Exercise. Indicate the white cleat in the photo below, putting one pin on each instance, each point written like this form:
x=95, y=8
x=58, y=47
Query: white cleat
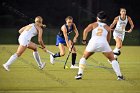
x=78, y=76
x=52, y=59
x=42, y=66
x=120, y=78
x=6, y=67
x=74, y=66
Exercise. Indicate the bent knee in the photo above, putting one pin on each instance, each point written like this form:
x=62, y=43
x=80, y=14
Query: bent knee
x=18, y=54
x=119, y=46
x=62, y=54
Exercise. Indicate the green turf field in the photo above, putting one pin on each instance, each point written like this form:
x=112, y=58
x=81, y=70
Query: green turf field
x=25, y=77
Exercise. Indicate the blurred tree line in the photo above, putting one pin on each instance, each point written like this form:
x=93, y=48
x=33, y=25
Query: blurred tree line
x=19, y=13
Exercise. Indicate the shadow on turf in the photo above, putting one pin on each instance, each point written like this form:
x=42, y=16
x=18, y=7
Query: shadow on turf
x=51, y=76
x=60, y=81
x=102, y=65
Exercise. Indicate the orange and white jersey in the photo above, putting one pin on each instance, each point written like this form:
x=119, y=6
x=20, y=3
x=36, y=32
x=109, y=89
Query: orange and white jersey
x=99, y=33
x=120, y=28
x=98, y=41
x=121, y=24
x=30, y=32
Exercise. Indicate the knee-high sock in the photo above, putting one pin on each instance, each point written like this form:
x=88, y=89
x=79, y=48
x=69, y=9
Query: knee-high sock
x=116, y=50
x=73, y=58
x=116, y=68
x=11, y=59
x=37, y=58
x=82, y=65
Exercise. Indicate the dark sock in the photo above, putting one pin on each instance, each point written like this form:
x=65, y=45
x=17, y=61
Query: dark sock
x=56, y=55
x=73, y=58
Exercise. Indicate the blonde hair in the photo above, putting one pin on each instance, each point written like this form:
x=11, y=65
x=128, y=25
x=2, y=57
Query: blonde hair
x=38, y=19
x=68, y=17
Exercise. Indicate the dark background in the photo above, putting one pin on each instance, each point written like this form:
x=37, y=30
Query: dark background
x=17, y=13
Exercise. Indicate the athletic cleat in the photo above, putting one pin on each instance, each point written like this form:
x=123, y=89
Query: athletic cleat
x=6, y=67
x=42, y=66
x=78, y=76
x=120, y=78
x=117, y=53
x=51, y=59
x=74, y=66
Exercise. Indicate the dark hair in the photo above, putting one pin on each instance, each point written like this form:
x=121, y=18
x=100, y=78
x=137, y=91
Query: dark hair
x=122, y=8
x=68, y=17
x=101, y=15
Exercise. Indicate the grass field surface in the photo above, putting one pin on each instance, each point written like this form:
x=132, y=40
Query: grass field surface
x=25, y=76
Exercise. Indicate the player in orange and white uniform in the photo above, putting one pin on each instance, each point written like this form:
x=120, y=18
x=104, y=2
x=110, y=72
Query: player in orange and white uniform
x=119, y=31
x=99, y=42
x=26, y=34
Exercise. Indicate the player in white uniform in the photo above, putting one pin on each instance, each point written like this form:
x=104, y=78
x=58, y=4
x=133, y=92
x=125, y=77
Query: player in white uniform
x=119, y=31
x=99, y=42
x=26, y=33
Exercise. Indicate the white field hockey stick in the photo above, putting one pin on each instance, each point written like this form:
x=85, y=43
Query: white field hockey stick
x=119, y=31
x=51, y=53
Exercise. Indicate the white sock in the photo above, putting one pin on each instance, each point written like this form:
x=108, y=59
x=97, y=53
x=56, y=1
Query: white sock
x=116, y=50
x=82, y=65
x=37, y=58
x=116, y=68
x=11, y=59
x=115, y=56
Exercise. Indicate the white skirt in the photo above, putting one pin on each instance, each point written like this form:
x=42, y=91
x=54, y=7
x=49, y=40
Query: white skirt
x=23, y=41
x=98, y=46
x=119, y=35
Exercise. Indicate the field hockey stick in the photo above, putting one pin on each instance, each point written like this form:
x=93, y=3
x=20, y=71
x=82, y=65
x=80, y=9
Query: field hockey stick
x=51, y=53
x=121, y=31
x=68, y=56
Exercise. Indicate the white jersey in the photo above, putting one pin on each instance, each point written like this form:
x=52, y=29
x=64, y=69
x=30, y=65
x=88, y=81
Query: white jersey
x=99, y=33
x=26, y=35
x=30, y=32
x=120, y=28
x=98, y=41
x=121, y=24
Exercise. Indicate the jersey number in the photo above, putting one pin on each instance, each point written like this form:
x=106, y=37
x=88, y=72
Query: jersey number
x=99, y=32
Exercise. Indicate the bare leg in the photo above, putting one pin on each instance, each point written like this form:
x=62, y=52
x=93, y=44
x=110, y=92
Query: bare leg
x=74, y=54
x=12, y=59
x=59, y=54
x=115, y=64
x=62, y=51
x=118, y=47
x=33, y=46
x=82, y=62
